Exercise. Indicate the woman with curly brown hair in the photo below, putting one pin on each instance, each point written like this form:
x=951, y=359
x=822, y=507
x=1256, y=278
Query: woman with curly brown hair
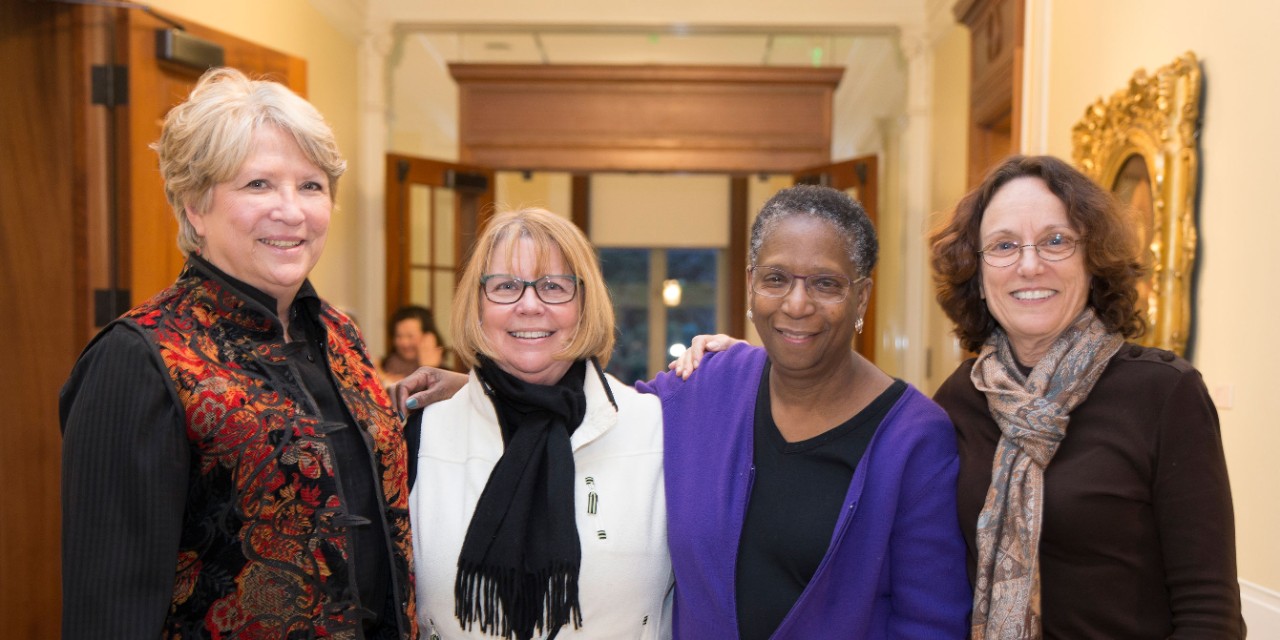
x=1124, y=529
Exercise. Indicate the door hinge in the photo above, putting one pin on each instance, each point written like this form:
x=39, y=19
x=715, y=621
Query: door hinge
x=110, y=85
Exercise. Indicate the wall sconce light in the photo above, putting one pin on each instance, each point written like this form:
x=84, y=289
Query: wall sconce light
x=671, y=292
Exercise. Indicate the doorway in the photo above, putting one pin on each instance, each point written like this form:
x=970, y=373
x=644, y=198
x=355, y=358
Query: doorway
x=656, y=233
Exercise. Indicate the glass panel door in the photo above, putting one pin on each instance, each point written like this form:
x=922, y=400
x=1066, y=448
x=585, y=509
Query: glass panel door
x=662, y=299
x=434, y=209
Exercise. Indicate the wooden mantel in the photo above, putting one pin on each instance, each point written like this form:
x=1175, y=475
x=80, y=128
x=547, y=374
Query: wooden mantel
x=645, y=117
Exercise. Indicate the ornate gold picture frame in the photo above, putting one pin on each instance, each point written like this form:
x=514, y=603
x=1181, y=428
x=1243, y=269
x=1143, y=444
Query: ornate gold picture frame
x=1142, y=145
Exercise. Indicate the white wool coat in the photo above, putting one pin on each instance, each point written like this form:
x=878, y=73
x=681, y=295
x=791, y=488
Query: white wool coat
x=626, y=582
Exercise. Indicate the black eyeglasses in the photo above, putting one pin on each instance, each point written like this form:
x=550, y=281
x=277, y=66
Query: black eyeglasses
x=827, y=288
x=504, y=288
x=1055, y=247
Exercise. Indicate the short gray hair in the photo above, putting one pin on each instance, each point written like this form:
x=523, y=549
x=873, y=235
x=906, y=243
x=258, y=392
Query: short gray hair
x=823, y=203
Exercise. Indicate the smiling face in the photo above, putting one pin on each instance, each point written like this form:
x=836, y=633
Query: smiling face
x=266, y=226
x=1033, y=299
x=804, y=337
x=527, y=334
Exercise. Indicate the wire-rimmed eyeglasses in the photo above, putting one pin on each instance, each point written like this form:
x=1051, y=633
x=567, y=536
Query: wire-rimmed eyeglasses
x=504, y=288
x=826, y=288
x=1055, y=247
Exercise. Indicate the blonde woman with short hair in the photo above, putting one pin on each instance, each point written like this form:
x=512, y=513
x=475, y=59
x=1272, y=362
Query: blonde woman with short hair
x=538, y=507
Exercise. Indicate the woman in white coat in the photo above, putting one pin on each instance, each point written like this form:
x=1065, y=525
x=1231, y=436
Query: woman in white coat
x=538, y=507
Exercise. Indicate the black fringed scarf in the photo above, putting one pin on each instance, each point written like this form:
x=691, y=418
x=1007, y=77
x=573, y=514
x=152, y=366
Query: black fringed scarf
x=518, y=568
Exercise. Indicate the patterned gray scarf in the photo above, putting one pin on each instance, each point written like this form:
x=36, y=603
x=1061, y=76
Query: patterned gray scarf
x=1032, y=412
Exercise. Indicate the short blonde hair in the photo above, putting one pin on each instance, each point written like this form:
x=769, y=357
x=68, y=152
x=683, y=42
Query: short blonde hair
x=548, y=232
x=207, y=137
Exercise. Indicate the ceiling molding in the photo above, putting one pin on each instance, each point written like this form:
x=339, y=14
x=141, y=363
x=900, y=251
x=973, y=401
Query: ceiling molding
x=672, y=28
x=940, y=18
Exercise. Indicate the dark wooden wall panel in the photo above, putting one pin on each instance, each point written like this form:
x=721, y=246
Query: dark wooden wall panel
x=41, y=281
x=995, y=82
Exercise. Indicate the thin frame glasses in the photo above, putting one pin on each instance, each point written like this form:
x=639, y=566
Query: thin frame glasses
x=504, y=288
x=1055, y=248
x=826, y=288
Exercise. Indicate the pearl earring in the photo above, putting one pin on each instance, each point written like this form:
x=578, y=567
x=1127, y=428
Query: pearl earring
x=857, y=326
x=749, y=316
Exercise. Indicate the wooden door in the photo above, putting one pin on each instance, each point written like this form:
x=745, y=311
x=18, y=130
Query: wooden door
x=860, y=179
x=434, y=211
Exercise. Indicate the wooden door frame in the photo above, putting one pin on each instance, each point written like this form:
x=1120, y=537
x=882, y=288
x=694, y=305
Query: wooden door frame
x=402, y=172
x=861, y=173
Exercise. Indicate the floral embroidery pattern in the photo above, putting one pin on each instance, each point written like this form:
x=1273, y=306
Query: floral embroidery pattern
x=265, y=550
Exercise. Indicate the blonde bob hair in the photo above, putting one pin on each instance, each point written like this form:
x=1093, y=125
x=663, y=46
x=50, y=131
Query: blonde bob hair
x=206, y=139
x=549, y=233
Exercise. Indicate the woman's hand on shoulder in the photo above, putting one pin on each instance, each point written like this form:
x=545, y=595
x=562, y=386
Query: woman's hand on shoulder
x=699, y=347
x=427, y=385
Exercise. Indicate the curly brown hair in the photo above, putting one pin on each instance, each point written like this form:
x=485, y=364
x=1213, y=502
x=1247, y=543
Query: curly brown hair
x=1110, y=249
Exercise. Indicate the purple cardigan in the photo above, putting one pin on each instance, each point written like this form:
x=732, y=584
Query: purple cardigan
x=896, y=565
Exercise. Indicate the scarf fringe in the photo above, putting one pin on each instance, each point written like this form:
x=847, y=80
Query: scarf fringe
x=505, y=602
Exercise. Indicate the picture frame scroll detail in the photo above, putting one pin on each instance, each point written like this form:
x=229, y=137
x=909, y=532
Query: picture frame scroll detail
x=1142, y=144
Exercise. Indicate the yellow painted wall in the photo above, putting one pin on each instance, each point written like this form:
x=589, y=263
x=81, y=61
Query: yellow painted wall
x=949, y=123
x=1095, y=46
x=550, y=190
x=296, y=28
x=660, y=210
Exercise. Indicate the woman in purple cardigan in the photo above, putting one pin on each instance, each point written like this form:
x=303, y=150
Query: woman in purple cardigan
x=809, y=494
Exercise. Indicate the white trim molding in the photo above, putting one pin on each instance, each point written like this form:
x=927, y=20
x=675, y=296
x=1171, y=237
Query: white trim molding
x=1035, y=76
x=1261, y=607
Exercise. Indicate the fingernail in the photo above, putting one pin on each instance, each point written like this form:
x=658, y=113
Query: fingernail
x=411, y=403
x=714, y=344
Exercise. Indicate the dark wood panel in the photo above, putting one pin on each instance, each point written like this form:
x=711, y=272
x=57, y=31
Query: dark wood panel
x=41, y=292
x=580, y=202
x=645, y=118
x=995, y=80
x=736, y=260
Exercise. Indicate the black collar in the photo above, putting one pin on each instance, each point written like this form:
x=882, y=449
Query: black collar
x=305, y=305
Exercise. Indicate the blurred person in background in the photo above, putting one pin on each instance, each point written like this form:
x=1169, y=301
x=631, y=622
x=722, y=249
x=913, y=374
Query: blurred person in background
x=415, y=342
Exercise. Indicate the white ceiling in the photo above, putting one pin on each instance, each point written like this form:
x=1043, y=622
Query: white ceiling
x=637, y=47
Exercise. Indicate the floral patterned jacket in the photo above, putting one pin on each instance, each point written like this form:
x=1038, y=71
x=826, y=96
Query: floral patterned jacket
x=264, y=546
